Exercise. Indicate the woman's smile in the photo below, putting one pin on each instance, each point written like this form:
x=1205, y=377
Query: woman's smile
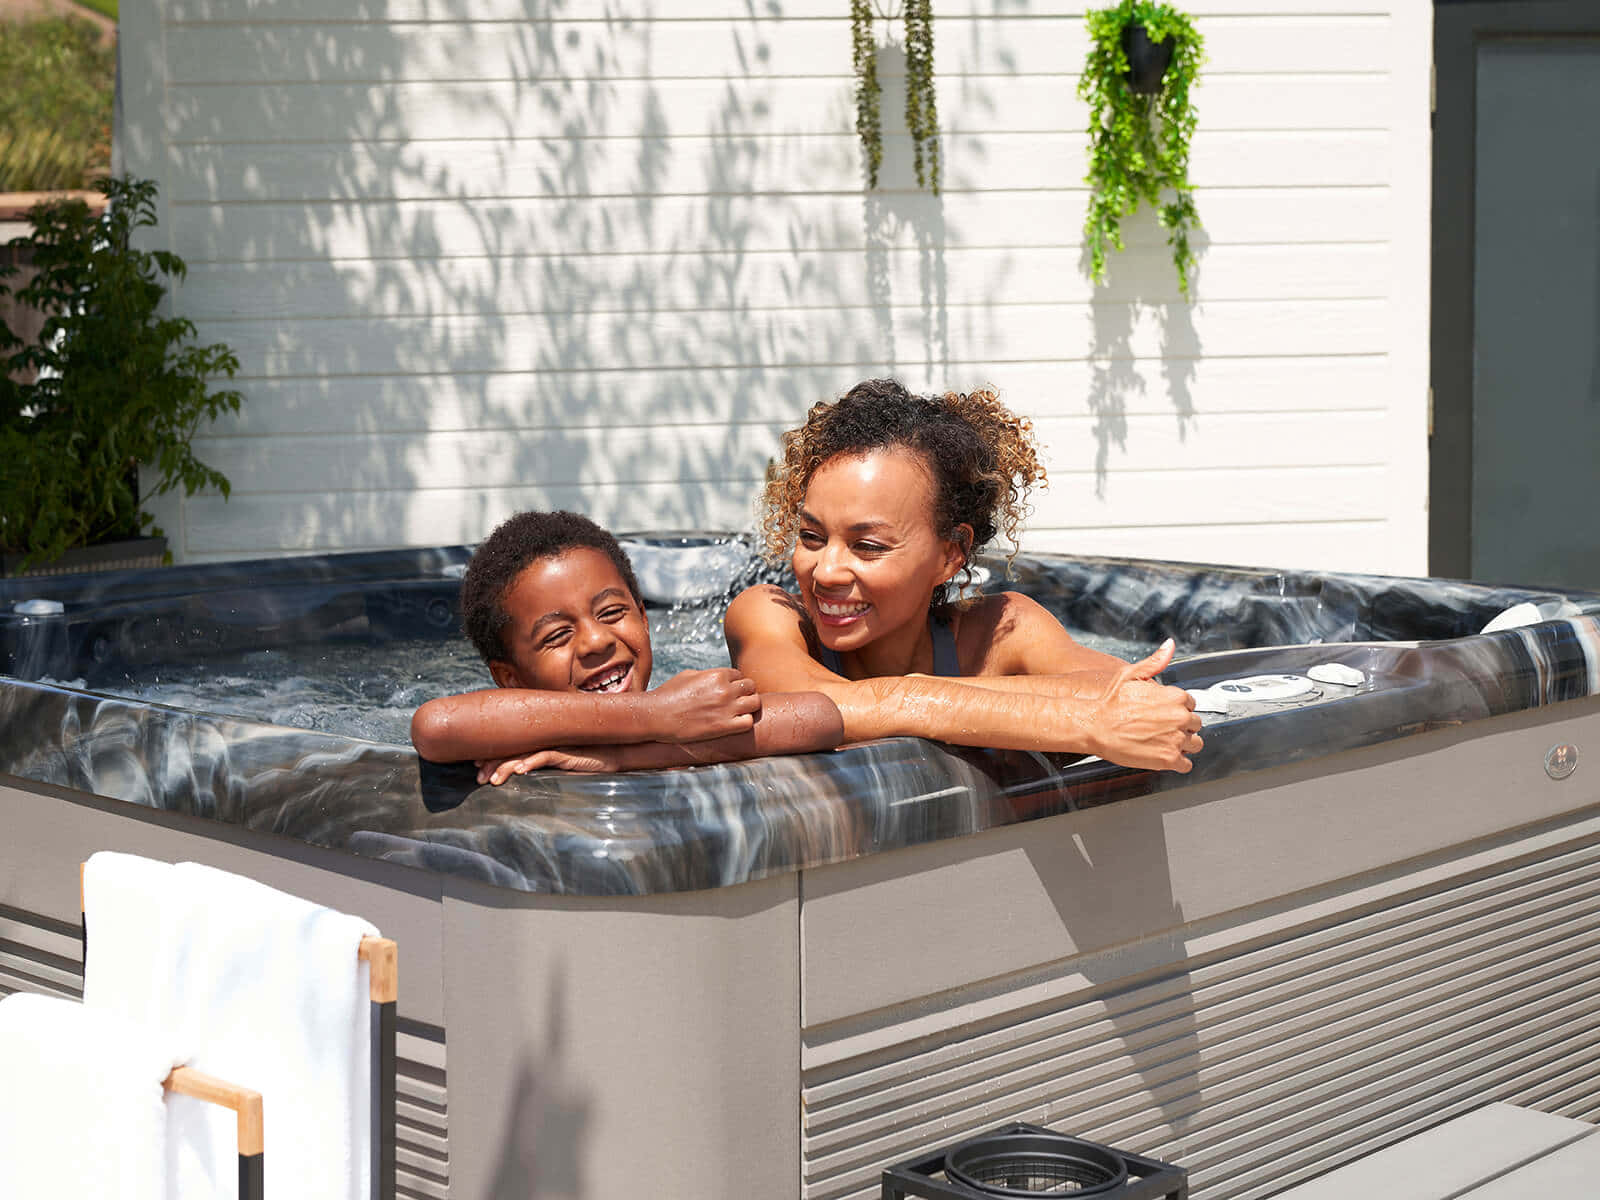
x=840, y=613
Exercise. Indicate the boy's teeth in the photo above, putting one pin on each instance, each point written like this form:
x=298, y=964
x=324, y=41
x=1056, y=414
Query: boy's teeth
x=609, y=684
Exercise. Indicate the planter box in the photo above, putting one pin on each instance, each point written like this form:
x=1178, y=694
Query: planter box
x=14, y=206
x=109, y=556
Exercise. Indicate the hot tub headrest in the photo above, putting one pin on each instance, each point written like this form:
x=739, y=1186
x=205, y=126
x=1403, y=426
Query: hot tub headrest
x=686, y=574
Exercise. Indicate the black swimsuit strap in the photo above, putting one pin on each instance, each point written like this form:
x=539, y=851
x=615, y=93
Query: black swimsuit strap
x=830, y=659
x=946, y=663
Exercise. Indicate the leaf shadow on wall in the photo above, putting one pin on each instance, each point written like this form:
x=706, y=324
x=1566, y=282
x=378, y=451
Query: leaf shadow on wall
x=896, y=207
x=488, y=266
x=1140, y=280
x=351, y=262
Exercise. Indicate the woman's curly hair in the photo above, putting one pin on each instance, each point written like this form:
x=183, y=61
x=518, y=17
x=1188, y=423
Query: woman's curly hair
x=980, y=455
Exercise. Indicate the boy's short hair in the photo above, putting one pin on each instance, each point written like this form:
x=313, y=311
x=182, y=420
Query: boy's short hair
x=506, y=553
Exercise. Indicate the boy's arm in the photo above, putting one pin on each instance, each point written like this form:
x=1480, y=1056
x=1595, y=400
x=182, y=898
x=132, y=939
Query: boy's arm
x=790, y=723
x=692, y=706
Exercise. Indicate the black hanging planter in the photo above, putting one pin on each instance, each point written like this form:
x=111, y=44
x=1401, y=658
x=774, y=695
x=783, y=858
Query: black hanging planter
x=1147, y=60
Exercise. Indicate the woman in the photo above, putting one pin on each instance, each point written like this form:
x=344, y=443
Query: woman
x=885, y=498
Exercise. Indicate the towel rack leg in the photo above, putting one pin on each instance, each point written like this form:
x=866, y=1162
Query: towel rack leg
x=383, y=1100
x=252, y=1177
x=83, y=923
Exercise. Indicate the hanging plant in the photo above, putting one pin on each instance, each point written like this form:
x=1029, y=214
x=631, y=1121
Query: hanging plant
x=1139, y=140
x=864, y=58
x=922, y=113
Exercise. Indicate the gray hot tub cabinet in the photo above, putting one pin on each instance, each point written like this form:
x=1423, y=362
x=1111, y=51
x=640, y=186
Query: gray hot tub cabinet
x=1258, y=977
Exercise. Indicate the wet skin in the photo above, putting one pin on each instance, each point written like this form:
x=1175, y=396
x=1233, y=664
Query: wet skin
x=575, y=626
x=571, y=690
x=868, y=559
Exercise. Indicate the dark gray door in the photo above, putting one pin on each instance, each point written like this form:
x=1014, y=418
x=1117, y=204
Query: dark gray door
x=1516, y=348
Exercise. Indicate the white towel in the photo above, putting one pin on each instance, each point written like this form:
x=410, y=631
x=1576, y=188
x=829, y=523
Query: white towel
x=81, y=1110
x=131, y=918
x=261, y=988
x=272, y=990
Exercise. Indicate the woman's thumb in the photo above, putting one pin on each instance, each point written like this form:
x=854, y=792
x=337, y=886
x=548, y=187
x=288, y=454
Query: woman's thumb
x=1149, y=668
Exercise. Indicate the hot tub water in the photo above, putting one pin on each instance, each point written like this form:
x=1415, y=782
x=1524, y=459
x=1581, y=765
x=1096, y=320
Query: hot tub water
x=359, y=689
x=369, y=689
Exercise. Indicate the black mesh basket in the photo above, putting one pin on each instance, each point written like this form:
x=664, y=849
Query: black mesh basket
x=1019, y=1161
x=1035, y=1164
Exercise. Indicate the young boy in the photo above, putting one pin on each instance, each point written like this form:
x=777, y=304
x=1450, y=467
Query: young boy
x=551, y=603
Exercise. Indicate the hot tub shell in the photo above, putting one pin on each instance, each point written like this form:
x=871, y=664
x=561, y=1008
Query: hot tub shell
x=1362, y=916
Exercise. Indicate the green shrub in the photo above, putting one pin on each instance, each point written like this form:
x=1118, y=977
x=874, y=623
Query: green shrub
x=118, y=385
x=56, y=106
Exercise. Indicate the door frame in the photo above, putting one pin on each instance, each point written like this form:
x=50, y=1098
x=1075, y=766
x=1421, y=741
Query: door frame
x=1458, y=27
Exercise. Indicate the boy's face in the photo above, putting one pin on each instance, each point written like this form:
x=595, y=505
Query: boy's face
x=574, y=627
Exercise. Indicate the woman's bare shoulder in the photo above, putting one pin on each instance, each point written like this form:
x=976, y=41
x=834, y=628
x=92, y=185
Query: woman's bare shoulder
x=766, y=613
x=1024, y=607
x=1011, y=634
x=1002, y=614
x=766, y=602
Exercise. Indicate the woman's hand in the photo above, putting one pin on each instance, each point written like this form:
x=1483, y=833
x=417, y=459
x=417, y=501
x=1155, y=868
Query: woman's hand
x=1139, y=723
x=695, y=706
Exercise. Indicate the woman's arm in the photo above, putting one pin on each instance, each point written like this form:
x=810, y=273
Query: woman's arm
x=1117, y=713
x=790, y=723
x=691, y=706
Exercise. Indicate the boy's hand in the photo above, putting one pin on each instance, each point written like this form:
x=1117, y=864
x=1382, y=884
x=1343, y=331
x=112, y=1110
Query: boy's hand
x=696, y=706
x=583, y=759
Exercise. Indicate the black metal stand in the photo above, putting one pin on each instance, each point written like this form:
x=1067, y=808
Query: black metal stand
x=252, y=1177
x=383, y=1101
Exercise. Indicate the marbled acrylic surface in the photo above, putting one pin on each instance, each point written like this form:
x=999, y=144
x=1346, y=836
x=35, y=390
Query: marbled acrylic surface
x=1424, y=666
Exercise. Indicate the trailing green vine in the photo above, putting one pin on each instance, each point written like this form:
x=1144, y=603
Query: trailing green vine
x=1139, y=145
x=922, y=112
x=864, y=58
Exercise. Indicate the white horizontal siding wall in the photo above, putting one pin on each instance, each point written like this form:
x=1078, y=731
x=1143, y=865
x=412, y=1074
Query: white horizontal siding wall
x=483, y=255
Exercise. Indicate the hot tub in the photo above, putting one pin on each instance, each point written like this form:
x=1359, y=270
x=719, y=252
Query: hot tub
x=1373, y=904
